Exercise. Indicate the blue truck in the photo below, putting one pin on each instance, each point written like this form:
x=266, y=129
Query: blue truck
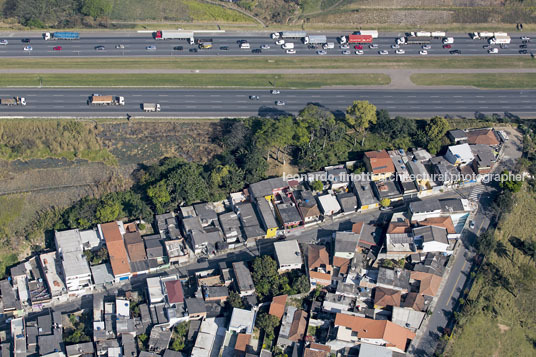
x=61, y=36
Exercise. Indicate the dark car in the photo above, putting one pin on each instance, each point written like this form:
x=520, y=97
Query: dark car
x=447, y=46
x=224, y=48
x=523, y=46
x=194, y=50
x=178, y=48
x=455, y=52
x=256, y=50
x=523, y=52
x=25, y=40
x=254, y=97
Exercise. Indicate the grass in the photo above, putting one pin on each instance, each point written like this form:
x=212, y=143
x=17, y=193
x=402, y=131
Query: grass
x=268, y=62
x=201, y=11
x=6, y=259
x=10, y=209
x=480, y=80
x=192, y=80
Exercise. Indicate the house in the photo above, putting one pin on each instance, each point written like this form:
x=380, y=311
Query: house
x=318, y=266
x=206, y=213
x=403, y=177
x=116, y=249
x=204, y=241
x=135, y=246
x=357, y=329
x=83, y=349
x=267, y=218
x=431, y=239
x=397, y=279
x=384, y=297
x=196, y=308
x=317, y=350
x=415, y=301
x=159, y=339
x=277, y=306
x=457, y=136
x=287, y=212
x=337, y=303
x=154, y=247
x=442, y=222
x=174, y=292
x=216, y=293
x=484, y=158
x=230, y=225
x=177, y=251
x=399, y=236
x=267, y=188
x=365, y=195
x=293, y=326
x=242, y=321
x=50, y=265
x=407, y=317
x=369, y=240
x=482, y=136
x=243, y=279
x=420, y=210
x=347, y=201
x=459, y=154
x=420, y=174
x=428, y=283
x=251, y=228
x=307, y=206
x=445, y=173
x=69, y=250
x=421, y=155
x=205, y=338
x=338, y=177
x=328, y=204
x=387, y=189
x=379, y=164
x=288, y=255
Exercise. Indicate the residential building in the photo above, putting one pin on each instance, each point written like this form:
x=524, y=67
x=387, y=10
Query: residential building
x=318, y=266
x=288, y=255
x=445, y=173
x=102, y=275
x=365, y=195
x=482, y=136
x=135, y=246
x=277, y=306
x=84, y=349
x=387, y=189
x=421, y=175
x=457, y=136
x=338, y=177
x=174, y=292
x=242, y=321
x=347, y=201
x=384, y=297
x=484, y=158
x=215, y=293
x=428, y=283
x=196, y=308
x=69, y=250
x=293, y=326
x=267, y=217
x=397, y=279
x=251, y=228
x=205, y=338
x=379, y=164
x=159, y=339
x=267, y=188
x=307, y=206
x=407, y=317
x=328, y=204
x=230, y=224
x=177, y=251
x=421, y=155
x=206, y=213
x=431, y=239
x=459, y=154
x=420, y=210
x=243, y=279
x=116, y=249
x=345, y=244
x=338, y=303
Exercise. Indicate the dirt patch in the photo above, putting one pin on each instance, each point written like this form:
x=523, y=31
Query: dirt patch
x=503, y=328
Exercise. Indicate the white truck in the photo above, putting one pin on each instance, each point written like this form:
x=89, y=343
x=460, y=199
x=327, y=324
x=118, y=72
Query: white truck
x=481, y=35
x=13, y=101
x=448, y=40
x=438, y=34
x=372, y=33
x=97, y=99
x=288, y=46
x=328, y=45
x=421, y=34
x=499, y=40
x=151, y=107
x=293, y=34
x=245, y=46
x=315, y=39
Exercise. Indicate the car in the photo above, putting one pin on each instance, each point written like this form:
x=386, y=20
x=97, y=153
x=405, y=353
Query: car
x=344, y=47
x=395, y=46
x=486, y=47
x=312, y=46
x=346, y=52
x=359, y=52
x=3, y=42
x=280, y=102
x=57, y=48
x=241, y=41
x=455, y=52
x=25, y=40
x=291, y=51
x=523, y=52
x=151, y=48
x=256, y=50
x=224, y=48
x=99, y=48
x=120, y=47
x=265, y=47
x=472, y=225
x=275, y=91
x=426, y=47
x=493, y=50
x=447, y=46
x=423, y=52
x=280, y=42
x=385, y=209
x=523, y=46
x=504, y=46
x=525, y=38
x=193, y=50
x=400, y=51
x=202, y=260
x=254, y=97
x=28, y=48
x=383, y=52
x=321, y=52
x=373, y=46
x=358, y=47
x=178, y=48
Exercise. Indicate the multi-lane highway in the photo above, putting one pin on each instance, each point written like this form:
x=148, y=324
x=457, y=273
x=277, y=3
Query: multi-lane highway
x=136, y=44
x=205, y=103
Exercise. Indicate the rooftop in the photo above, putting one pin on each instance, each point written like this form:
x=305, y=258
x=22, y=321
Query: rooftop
x=277, y=307
x=348, y=201
x=243, y=277
x=116, y=248
x=288, y=252
x=482, y=136
x=380, y=162
x=267, y=187
x=174, y=291
x=363, y=190
x=102, y=274
x=242, y=320
x=329, y=203
x=395, y=279
x=386, y=297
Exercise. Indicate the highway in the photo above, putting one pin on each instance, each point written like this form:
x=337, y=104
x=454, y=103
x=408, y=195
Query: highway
x=215, y=103
x=135, y=44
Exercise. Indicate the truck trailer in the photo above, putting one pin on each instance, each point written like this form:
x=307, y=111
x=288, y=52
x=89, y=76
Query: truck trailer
x=372, y=33
x=61, y=36
x=13, y=101
x=96, y=99
x=499, y=40
x=293, y=34
x=174, y=35
x=414, y=40
x=151, y=107
x=438, y=34
x=360, y=39
x=315, y=39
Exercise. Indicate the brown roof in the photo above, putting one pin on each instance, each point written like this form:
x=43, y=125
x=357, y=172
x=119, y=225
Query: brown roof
x=309, y=211
x=277, y=307
x=242, y=340
x=394, y=335
x=357, y=228
x=174, y=291
x=342, y=263
x=399, y=227
x=414, y=301
x=317, y=256
x=380, y=162
x=297, y=329
x=116, y=248
x=135, y=246
x=320, y=276
x=318, y=346
x=444, y=222
x=386, y=297
x=310, y=352
x=429, y=282
x=482, y=136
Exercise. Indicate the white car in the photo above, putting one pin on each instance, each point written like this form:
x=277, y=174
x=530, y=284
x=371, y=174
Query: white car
x=291, y=51
x=265, y=47
x=28, y=48
x=373, y=46
x=280, y=102
x=395, y=46
x=383, y=52
x=344, y=47
x=120, y=46
x=525, y=38
x=426, y=47
x=346, y=52
x=275, y=91
x=151, y=48
x=400, y=51
x=3, y=42
x=423, y=52
x=280, y=42
x=321, y=52
x=359, y=52
x=493, y=50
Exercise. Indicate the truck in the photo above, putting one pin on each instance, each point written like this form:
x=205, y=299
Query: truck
x=448, y=40
x=315, y=39
x=481, y=35
x=421, y=34
x=97, y=99
x=151, y=107
x=360, y=39
x=328, y=45
x=438, y=34
x=372, y=33
x=499, y=40
x=413, y=40
x=174, y=35
x=293, y=34
x=287, y=46
x=205, y=43
x=61, y=36
x=13, y=101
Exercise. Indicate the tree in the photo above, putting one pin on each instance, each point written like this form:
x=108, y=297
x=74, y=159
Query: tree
x=268, y=323
x=486, y=243
x=108, y=211
x=187, y=184
x=96, y=8
x=385, y=202
x=179, y=336
x=317, y=186
x=361, y=114
x=508, y=182
x=159, y=195
x=265, y=277
x=302, y=284
x=235, y=300
x=435, y=130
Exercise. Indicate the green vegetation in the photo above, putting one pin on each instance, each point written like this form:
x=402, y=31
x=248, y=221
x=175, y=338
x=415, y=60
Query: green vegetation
x=202, y=11
x=15, y=204
x=192, y=80
x=98, y=257
x=28, y=139
x=7, y=260
x=81, y=328
x=235, y=300
x=480, y=80
x=178, y=342
x=268, y=323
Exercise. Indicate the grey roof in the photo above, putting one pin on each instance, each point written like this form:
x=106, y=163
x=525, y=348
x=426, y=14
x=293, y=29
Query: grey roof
x=195, y=305
x=206, y=214
x=215, y=292
x=171, y=353
x=457, y=134
x=363, y=190
x=145, y=315
x=434, y=263
x=129, y=346
x=421, y=155
x=9, y=300
x=230, y=223
x=80, y=348
x=386, y=189
x=247, y=214
x=483, y=154
x=148, y=354
x=288, y=252
x=31, y=334
x=102, y=274
x=253, y=231
x=398, y=279
x=68, y=241
x=243, y=276
x=368, y=237
x=289, y=213
x=346, y=242
x=425, y=206
x=348, y=201
x=191, y=224
x=125, y=326
x=159, y=338
x=44, y=323
x=267, y=216
x=161, y=316
x=206, y=237
x=306, y=198
x=418, y=169
x=38, y=289
x=50, y=343
x=6, y=349
x=431, y=234
x=267, y=187
x=337, y=175
x=18, y=270
x=451, y=205
x=154, y=248
x=369, y=350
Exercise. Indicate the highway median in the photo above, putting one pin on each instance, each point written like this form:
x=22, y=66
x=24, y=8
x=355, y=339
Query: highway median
x=478, y=80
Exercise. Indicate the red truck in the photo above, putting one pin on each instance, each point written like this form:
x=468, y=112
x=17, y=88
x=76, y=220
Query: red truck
x=360, y=39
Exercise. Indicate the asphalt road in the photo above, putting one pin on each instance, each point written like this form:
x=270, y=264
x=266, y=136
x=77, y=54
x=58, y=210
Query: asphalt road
x=135, y=44
x=203, y=103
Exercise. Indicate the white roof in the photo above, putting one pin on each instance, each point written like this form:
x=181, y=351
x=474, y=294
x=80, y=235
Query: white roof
x=462, y=151
x=90, y=238
x=242, y=320
x=75, y=264
x=155, y=290
x=122, y=308
x=329, y=203
x=68, y=241
x=48, y=262
x=205, y=338
x=288, y=252
x=369, y=350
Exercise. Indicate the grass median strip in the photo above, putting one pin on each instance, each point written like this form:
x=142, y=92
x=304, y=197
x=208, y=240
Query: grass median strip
x=479, y=80
x=192, y=80
x=191, y=62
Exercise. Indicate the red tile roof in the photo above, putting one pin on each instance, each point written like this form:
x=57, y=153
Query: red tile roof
x=399, y=227
x=116, y=248
x=429, y=282
x=242, y=340
x=317, y=256
x=174, y=291
x=386, y=297
x=380, y=162
x=357, y=228
x=482, y=136
x=277, y=307
x=342, y=263
x=444, y=222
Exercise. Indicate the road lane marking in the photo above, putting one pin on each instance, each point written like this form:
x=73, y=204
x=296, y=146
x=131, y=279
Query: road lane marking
x=456, y=283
